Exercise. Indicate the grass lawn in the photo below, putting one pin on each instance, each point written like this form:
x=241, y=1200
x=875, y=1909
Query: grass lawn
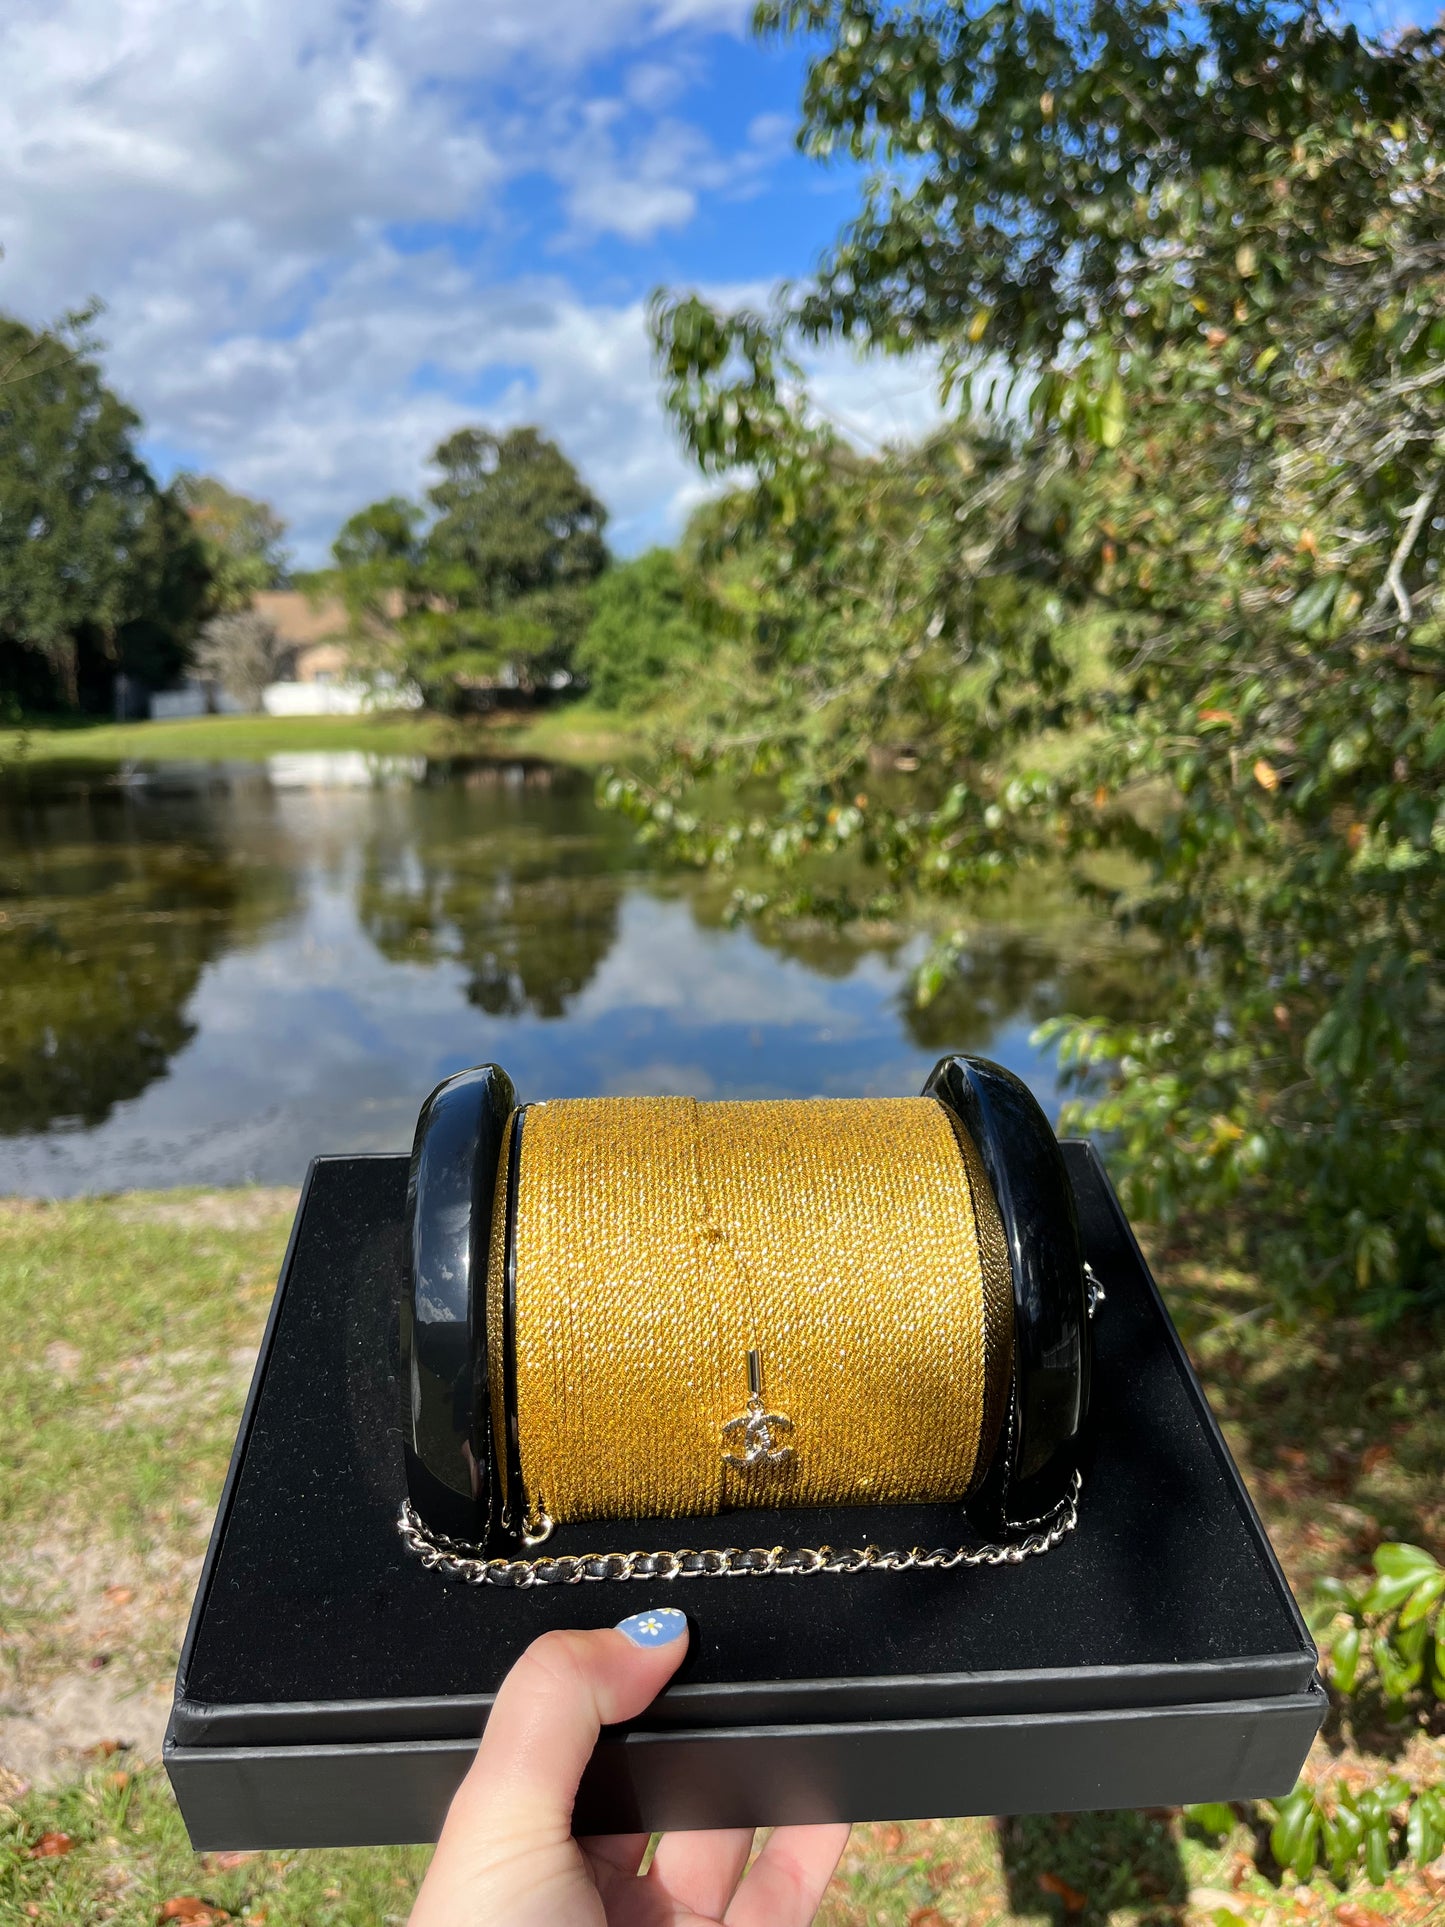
x=573, y=732
x=130, y=1328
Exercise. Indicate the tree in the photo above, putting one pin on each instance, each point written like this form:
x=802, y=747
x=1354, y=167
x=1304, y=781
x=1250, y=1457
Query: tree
x=242, y=652
x=642, y=634
x=1211, y=245
x=489, y=584
x=242, y=538
x=378, y=556
x=99, y=570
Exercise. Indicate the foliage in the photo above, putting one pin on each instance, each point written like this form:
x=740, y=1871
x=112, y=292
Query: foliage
x=1388, y=1640
x=242, y=652
x=1343, y=1829
x=642, y=634
x=486, y=586
x=243, y=540
x=379, y=555
x=1393, y=1628
x=1211, y=245
x=99, y=569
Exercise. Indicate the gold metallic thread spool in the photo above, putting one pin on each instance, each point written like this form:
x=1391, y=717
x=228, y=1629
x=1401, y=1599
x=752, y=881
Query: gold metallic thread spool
x=726, y=1305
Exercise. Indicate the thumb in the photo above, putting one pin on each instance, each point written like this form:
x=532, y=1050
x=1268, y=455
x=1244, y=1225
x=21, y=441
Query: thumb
x=545, y=1720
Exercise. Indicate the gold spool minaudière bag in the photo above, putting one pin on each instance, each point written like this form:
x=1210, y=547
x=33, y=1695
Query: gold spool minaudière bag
x=650, y=1309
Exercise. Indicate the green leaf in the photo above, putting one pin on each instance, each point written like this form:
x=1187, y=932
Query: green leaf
x=1388, y=1593
x=1417, y=1606
x=1313, y=604
x=1345, y=1660
x=1377, y=1852
x=1397, y=1675
x=1425, y=1829
x=1292, y=1837
x=1212, y=1817
x=1302, y=1861
x=1397, y=1559
x=1343, y=1836
x=1410, y=1641
x=1113, y=414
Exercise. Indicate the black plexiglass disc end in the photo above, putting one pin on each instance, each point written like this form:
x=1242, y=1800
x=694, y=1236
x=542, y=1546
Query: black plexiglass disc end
x=1040, y=1445
x=450, y=1192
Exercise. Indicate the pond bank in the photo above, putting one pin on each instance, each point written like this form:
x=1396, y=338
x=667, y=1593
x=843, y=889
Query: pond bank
x=574, y=733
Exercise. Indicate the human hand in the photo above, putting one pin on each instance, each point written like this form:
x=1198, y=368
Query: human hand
x=506, y=1856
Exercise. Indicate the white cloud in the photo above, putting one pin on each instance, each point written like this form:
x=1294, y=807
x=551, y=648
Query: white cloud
x=292, y=210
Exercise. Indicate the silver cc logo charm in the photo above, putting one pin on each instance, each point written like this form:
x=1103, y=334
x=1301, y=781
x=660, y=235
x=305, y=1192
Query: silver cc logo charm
x=757, y=1426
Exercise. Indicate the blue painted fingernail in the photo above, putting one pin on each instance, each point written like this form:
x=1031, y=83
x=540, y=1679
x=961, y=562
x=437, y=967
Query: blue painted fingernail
x=656, y=1628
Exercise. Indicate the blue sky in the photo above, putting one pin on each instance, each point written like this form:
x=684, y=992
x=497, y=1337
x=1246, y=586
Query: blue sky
x=329, y=231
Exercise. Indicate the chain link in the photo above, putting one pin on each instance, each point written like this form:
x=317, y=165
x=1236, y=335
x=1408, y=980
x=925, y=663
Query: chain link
x=456, y=1559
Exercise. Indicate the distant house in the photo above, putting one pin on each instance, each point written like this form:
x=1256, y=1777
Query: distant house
x=318, y=674
x=315, y=633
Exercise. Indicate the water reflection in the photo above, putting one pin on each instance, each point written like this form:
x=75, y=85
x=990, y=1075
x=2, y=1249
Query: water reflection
x=501, y=874
x=209, y=973
x=112, y=902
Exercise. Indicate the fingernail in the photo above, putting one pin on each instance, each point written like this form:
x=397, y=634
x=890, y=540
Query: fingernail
x=656, y=1628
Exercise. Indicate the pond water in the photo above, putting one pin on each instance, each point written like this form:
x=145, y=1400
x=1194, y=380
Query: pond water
x=210, y=972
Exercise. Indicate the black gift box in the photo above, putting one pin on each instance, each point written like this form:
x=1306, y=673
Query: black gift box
x=331, y=1689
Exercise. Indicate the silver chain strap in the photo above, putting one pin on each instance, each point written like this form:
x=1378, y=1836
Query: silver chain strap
x=456, y=1559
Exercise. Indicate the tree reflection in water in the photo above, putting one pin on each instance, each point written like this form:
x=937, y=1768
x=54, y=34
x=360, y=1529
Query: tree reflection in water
x=523, y=893
x=113, y=899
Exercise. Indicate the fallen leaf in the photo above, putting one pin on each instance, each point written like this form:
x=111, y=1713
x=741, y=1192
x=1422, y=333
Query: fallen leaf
x=191, y=1911
x=119, y=1595
x=1434, y=1877
x=926, y=1917
x=224, y=1862
x=1355, y=835
x=890, y=1839
x=119, y=1780
x=1294, y=1458
x=102, y=1750
x=98, y=1661
x=1266, y=775
x=51, y=1845
x=1352, y=1914
x=1074, y=1901
x=1374, y=1456
x=331, y=1893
